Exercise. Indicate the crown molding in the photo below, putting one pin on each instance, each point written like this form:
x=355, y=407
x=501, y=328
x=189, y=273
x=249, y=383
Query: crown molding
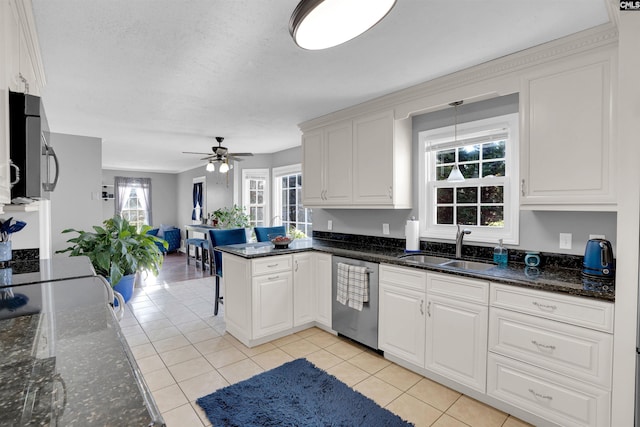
x=600, y=37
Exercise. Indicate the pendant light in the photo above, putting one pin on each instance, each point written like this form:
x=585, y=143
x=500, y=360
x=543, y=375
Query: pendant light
x=455, y=175
x=224, y=168
x=211, y=167
x=321, y=24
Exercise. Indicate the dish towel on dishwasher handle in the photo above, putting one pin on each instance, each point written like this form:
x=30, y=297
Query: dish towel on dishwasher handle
x=342, y=283
x=358, y=287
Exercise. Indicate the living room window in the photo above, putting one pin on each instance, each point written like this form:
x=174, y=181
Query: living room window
x=133, y=199
x=486, y=201
x=288, y=209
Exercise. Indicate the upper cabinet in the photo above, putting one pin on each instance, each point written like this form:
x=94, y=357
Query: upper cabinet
x=327, y=165
x=567, y=149
x=360, y=163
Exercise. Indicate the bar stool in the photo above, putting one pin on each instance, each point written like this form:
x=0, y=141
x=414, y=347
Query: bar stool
x=262, y=233
x=222, y=238
x=198, y=245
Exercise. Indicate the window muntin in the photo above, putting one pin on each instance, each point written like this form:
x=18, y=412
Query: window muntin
x=134, y=209
x=486, y=202
x=256, y=196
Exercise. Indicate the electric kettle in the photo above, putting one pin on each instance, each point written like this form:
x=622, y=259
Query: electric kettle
x=598, y=258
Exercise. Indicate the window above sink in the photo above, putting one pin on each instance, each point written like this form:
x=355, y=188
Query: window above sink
x=486, y=202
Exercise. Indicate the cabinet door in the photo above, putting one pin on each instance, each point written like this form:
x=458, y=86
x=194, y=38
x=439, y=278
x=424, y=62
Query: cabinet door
x=567, y=156
x=312, y=168
x=373, y=159
x=323, y=288
x=303, y=289
x=456, y=344
x=338, y=164
x=272, y=303
x=401, y=325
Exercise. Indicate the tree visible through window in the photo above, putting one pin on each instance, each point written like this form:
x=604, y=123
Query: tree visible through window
x=133, y=199
x=134, y=209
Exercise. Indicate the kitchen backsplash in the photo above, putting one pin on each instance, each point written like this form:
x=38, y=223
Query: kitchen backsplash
x=449, y=249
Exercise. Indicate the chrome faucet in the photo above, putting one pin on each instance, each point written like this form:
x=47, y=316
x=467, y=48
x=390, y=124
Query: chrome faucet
x=459, y=236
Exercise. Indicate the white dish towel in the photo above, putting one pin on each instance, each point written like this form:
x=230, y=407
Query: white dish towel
x=358, y=287
x=343, y=283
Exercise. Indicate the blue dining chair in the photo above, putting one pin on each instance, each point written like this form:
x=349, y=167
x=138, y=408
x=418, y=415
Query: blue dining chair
x=262, y=233
x=231, y=236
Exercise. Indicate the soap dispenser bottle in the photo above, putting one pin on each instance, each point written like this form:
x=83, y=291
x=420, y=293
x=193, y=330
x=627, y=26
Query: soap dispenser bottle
x=500, y=254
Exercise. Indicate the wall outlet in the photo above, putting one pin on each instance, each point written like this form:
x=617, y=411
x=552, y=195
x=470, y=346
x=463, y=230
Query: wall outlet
x=329, y=225
x=385, y=229
x=597, y=236
x=565, y=240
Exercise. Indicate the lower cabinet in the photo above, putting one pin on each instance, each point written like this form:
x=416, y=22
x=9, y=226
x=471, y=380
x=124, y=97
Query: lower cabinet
x=272, y=303
x=269, y=297
x=457, y=323
x=401, y=317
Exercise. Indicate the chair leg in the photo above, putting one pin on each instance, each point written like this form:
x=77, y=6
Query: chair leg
x=218, y=298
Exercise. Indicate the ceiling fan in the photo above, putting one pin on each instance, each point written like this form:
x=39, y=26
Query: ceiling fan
x=220, y=155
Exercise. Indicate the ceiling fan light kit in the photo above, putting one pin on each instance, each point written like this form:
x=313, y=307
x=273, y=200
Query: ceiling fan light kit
x=220, y=155
x=321, y=24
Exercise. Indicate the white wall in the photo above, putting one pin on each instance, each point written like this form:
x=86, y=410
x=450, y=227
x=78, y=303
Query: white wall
x=76, y=201
x=164, y=209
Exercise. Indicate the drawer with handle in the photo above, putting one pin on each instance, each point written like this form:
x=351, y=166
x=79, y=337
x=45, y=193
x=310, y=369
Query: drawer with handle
x=567, y=349
x=580, y=311
x=271, y=264
x=556, y=398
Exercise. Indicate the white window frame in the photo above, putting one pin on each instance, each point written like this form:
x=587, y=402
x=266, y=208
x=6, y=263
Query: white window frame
x=203, y=208
x=277, y=175
x=510, y=233
x=256, y=174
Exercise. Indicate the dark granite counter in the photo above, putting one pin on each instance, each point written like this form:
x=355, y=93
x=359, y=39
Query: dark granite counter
x=550, y=277
x=63, y=360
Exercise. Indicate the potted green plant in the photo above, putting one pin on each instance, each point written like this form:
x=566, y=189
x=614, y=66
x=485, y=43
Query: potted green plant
x=231, y=217
x=118, y=250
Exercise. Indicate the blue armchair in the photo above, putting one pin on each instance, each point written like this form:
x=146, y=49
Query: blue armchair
x=172, y=237
x=262, y=233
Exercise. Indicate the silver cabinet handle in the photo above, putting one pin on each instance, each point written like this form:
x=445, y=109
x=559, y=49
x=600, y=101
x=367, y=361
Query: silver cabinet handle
x=540, y=396
x=271, y=265
x=296, y=267
x=17, y=169
x=421, y=307
x=543, y=346
x=522, y=190
x=390, y=192
x=429, y=309
x=546, y=307
x=273, y=277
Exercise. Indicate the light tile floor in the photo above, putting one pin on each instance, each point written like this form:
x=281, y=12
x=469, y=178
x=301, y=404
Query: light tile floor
x=184, y=353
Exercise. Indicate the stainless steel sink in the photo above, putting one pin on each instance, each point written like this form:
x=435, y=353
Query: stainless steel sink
x=424, y=259
x=467, y=265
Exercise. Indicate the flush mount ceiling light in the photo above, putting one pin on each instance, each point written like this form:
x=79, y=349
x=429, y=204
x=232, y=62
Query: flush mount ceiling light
x=321, y=24
x=455, y=175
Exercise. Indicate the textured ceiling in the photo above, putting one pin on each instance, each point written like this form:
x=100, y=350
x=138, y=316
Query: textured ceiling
x=153, y=78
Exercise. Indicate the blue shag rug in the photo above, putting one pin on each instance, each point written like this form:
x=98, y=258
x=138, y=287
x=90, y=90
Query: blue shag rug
x=294, y=394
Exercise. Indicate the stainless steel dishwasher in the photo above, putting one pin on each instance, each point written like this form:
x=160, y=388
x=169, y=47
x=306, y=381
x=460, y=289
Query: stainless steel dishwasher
x=360, y=326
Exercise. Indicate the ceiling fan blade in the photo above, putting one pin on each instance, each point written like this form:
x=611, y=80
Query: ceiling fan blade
x=231, y=157
x=193, y=152
x=240, y=154
x=213, y=156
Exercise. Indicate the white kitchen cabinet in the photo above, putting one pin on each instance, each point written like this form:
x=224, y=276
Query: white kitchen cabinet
x=551, y=355
x=327, y=165
x=323, y=288
x=363, y=162
x=381, y=161
x=304, y=298
x=401, y=317
x=237, y=295
x=457, y=325
x=272, y=303
x=567, y=150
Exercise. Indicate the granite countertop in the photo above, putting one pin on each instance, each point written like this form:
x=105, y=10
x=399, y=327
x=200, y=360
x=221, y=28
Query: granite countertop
x=65, y=362
x=546, y=278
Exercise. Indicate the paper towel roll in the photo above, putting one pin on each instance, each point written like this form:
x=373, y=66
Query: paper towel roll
x=412, y=232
